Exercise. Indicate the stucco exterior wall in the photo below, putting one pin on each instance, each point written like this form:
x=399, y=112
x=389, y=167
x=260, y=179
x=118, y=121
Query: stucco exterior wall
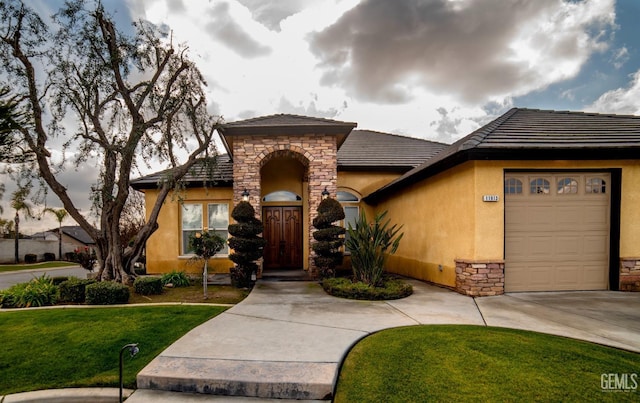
x=439, y=225
x=446, y=220
x=163, y=247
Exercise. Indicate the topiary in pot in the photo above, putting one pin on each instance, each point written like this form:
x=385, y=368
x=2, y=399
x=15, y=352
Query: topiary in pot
x=246, y=244
x=328, y=236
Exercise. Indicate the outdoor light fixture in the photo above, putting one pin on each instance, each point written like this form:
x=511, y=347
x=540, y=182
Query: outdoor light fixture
x=133, y=350
x=245, y=195
x=325, y=193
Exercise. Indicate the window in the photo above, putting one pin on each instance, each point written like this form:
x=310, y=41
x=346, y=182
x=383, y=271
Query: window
x=191, y=223
x=192, y=220
x=349, y=203
x=281, y=196
x=512, y=186
x=540, y=186
x=567, y=186
x=596, y=185
x=219, y=221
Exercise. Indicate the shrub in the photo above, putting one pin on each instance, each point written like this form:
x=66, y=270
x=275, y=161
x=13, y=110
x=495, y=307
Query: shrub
x=177, y=278
x=107, y=293
x=148, y=285
x=246, y=244
x=59, y=279
x=388, y=290
x=328, y=237
x=369, y=245
x=30, y=258
x=74, y=289
x=48, y=257
x=40, y=291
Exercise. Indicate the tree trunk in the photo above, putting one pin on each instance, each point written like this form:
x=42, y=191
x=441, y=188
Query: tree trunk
x=60, y=241
x=17, y=252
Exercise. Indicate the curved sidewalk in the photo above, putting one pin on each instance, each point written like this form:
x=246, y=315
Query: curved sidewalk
x=286, y=339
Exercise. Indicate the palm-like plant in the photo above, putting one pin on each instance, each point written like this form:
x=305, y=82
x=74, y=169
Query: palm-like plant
x=19, y=203
x=369, y=244
x=60, y=214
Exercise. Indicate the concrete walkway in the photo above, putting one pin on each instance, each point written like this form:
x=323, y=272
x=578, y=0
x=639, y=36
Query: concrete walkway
x=287, y=339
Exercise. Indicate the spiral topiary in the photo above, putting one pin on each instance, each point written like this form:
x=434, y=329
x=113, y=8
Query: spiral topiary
x=328, y=237
x=246, y=244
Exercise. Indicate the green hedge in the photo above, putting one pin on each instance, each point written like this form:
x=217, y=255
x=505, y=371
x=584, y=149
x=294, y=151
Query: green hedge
x=107, y=293
x=177, y=278
x=345, y=288
x=148, y=285
x=74, y=289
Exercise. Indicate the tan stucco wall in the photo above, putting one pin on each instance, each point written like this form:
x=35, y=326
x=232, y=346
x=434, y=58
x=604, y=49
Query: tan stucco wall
x=163, y=247
x=445, y=218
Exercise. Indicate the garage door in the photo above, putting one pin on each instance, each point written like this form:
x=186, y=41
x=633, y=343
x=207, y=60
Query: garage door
x=557, y=231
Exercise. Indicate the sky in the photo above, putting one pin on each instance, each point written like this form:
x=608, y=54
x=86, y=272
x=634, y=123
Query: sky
x=433, y=69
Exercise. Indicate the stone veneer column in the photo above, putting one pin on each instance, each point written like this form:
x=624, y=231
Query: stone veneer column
x=630, y=274
x=315, y=151
x=479, y=278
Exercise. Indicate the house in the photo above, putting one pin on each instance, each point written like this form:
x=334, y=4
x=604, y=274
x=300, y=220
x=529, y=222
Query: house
x=533, y=201
x=75, y=235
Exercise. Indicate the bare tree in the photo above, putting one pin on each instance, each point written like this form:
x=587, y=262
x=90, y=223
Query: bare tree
x=134, y=99
x=132, y=219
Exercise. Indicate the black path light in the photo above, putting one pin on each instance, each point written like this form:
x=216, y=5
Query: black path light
x=133, y=350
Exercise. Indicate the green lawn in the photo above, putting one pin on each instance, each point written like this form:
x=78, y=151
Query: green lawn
x=471, y=363
x=34, y=266
x=59, y=348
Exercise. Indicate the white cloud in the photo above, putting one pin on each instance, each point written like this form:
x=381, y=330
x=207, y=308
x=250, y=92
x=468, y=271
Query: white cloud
x=620, y=100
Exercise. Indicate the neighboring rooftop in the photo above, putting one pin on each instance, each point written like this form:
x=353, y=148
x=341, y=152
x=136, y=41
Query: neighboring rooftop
x=375, y=150
x=528, y=134
x=76, y=232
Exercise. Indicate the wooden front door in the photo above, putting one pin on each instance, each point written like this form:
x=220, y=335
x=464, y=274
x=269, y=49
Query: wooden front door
x=283, y=233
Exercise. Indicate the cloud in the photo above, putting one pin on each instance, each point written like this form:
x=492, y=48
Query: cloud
x=621, y=100
x=225, y=29
x=620, y=57
x=271, y=13
x=479, y=51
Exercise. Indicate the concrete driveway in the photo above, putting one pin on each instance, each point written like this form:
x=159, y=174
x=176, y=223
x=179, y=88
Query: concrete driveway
x=287, y=339
x=607, y=317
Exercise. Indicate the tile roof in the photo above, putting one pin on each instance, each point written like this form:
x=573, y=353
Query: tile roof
x=370, y=149
x=530, y=134
x=284, y=120
x=223, y=173
x=76, y=232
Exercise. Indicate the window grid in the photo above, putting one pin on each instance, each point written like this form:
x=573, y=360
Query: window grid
x=512, y=186
x=596, y=186
x=567, y=186
x=539, y=186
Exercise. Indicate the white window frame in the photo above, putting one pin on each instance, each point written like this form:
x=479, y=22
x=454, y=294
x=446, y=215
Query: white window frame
x=349, y=204
x=205, y=208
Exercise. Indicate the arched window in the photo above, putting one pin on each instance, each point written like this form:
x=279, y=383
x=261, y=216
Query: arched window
x=281, y=196
x=540, y=186
x=350, y=204
x=567, y=186
x=596, y=185
x=512, y=186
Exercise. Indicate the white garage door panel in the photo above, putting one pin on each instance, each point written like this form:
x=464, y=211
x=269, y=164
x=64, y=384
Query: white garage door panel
x=557, y=239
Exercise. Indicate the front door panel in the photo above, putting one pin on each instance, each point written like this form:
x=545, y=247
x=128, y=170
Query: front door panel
x=283, y=233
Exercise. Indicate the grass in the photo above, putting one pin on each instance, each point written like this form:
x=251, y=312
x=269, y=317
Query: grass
x=471, y=363
x=34, y=266
x=60, y=348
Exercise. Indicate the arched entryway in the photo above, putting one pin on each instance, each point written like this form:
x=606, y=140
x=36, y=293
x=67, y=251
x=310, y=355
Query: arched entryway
x=284, y=186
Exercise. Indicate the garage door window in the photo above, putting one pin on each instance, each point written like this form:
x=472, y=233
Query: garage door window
x=596, y=185
x=567, y=186
x=512, y=186
x=540, y=186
